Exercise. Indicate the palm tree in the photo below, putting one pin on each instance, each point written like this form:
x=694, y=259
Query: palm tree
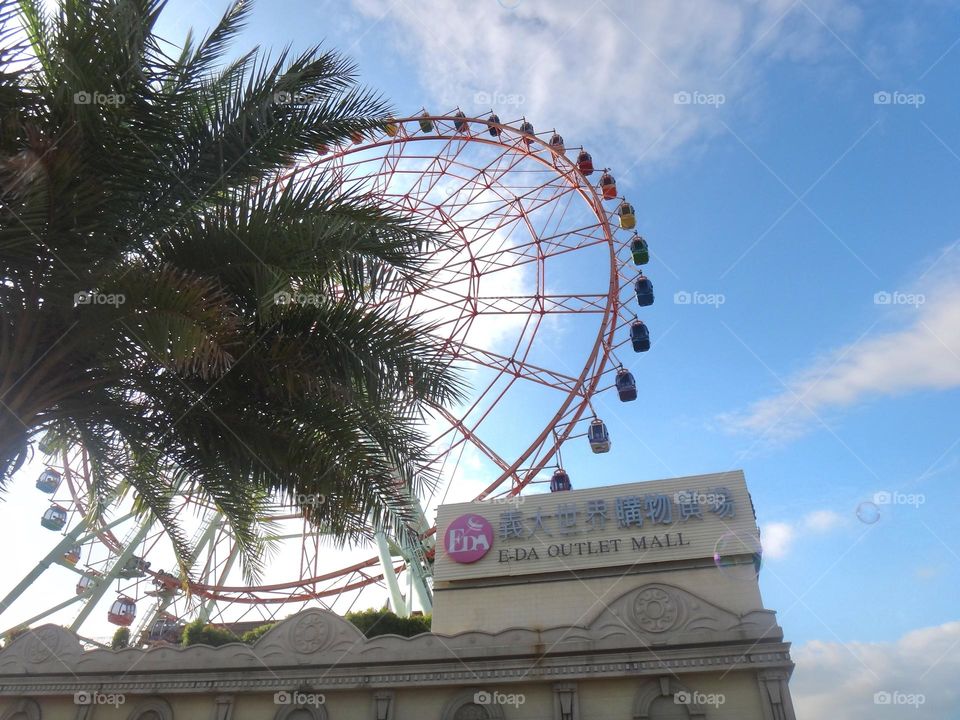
x=144, y=240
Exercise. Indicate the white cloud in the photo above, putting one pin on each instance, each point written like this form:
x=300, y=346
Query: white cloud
x=842, y=679
x=778, y=537
x=822, y=520
x=923, y=355
x=608, y=69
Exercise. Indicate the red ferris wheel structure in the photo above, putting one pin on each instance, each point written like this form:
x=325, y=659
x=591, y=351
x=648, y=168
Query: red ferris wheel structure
x=534, y=292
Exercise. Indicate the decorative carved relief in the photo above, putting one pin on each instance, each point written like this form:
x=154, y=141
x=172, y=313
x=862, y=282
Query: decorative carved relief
x=309, y=634
x=655, y=610
x=151, y=709
x=25, y=707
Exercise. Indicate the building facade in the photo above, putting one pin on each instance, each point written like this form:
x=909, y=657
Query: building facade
x=629, y=602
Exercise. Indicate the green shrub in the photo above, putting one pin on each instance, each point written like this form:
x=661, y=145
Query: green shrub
x=200, y=633
x=121, y=638
x=383, y=622
x=251, y=636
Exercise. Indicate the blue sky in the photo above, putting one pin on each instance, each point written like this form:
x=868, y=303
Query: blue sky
x=827, y=174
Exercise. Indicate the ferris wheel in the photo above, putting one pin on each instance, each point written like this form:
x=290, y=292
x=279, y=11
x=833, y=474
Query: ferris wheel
x=534, y=291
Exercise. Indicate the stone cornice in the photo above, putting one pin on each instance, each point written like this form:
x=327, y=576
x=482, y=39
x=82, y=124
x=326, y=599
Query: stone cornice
x=647, y=630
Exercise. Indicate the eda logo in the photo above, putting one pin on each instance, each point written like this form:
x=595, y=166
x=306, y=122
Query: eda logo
x=468, y=538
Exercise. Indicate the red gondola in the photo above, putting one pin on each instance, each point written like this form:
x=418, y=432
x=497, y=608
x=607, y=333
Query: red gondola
x=608, y=186
x=560, y=481
x=585, y=163
x=122, y=612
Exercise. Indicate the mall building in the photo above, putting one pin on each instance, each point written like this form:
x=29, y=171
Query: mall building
x=628, y=602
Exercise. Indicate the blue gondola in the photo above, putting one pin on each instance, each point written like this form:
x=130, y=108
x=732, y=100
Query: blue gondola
x=54, y=518
x=644, y=289
x=560, y=481
x=494, y=120
x=639, y=336
x=626, y=385
x=598, y=436
x=460, y=121
x=48, y=481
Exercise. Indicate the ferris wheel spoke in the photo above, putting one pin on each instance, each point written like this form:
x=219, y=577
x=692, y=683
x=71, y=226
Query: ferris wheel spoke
x=519, y=369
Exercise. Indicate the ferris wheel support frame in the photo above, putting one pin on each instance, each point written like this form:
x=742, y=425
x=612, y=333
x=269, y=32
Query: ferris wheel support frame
x=101, y=587
x=166, y=600
x=54, y=556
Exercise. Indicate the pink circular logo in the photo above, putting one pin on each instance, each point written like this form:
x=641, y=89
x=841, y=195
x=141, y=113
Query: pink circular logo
x=468, y=538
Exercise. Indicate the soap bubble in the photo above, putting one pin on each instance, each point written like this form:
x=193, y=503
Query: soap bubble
x=868, y=512
x=738, y=555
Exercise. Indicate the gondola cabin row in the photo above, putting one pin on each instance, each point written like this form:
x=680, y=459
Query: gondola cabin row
x=639, y=250
x=560, y=481
x=48, y=481
x=598, y=436
x=54, y=518
x=639, y=336
x=626, y=385
x=122, y=612
x=644, y=290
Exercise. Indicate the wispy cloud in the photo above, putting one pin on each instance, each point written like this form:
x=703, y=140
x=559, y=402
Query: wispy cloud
x=650, y=76
x=922, y=355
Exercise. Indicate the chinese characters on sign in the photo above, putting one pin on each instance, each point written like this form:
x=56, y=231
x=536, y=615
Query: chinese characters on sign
x=627, y=512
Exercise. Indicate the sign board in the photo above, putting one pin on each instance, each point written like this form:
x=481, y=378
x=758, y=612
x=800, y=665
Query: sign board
x=617, y=525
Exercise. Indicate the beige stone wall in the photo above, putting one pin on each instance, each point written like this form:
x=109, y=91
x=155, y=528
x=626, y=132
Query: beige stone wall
x=539, y=605
x=598, y=699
